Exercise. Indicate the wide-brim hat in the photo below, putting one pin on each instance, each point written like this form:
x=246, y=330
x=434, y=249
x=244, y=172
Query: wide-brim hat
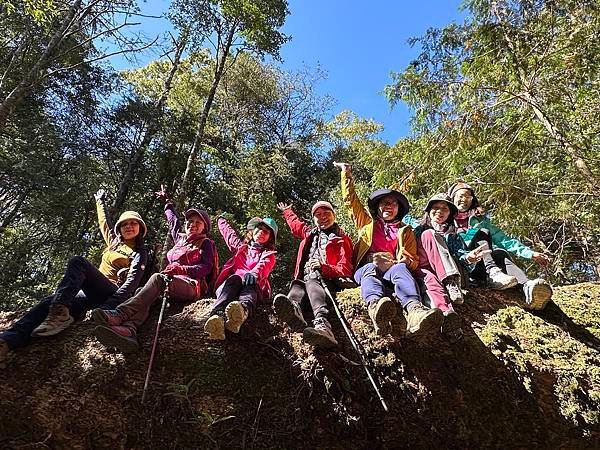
x=270, y=224
x=251, y=225
x=203, y=215
x=462, y=185
x=376, y=196
x=442, y=197
x=321, y=204
x=130, y=215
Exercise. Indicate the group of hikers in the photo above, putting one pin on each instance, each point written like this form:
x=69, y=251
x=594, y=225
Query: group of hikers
x=411, y=271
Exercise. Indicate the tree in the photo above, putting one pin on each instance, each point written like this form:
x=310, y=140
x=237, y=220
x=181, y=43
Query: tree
x=229, y=25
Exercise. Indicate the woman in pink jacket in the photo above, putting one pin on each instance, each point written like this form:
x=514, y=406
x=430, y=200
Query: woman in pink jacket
x=244, y=279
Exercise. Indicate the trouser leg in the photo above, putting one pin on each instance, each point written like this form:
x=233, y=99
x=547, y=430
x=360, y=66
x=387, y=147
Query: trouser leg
x=433, y=252
x=371, y=285
x=227, y=292
x=405, y=286
x=317, y=298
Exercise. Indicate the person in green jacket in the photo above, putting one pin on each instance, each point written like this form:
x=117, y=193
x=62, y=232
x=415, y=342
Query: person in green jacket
x=496, y=267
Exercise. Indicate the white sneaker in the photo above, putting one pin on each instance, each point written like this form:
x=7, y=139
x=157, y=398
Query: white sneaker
x=499, y=280
x=537, y=294
x=452, y=285
x=215, y=327
x=58, y=319
x=235, y=316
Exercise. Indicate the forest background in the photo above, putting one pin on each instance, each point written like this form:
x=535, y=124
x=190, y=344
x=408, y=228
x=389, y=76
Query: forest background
x=507, y=99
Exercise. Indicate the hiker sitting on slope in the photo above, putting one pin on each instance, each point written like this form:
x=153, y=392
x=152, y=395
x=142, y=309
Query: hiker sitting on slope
x=440, y=250
x=497, y=268
x=84, y=287
x=244, y=279
x=192, y=268
x=384, y=255
x=325, y=253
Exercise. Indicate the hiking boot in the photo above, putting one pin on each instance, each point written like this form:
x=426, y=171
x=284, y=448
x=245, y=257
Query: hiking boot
x=452, y=285
x=421, y=320
x=537, y=294
x=121, y=337
x=320, y=334
x=58, y=319
x=398, y=322
x=4, y=351
x=381, y=312
x=235, y=316
x=215, y=327
x=499, y=280
x=289, y=311
x=451, y=327
x=108, y=317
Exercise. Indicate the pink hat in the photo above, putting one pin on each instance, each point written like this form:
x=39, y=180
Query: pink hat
x=321, y=204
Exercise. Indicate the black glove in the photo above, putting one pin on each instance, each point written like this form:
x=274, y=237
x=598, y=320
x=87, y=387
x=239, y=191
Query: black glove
x=249, y=279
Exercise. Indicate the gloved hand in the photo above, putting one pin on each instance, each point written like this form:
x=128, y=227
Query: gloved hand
x=100, y=195
x=249, y=279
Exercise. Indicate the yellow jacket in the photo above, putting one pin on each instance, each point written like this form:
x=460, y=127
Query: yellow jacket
x=116, y=258
x=407, y=243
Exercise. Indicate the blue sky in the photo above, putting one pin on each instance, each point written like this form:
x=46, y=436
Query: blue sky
x=358, y=44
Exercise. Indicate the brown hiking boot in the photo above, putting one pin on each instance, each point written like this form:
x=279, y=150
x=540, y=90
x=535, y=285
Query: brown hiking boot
x=381, y=312
x=215, y=327
x=398, y=323
x=58, y=319
x=422, y=321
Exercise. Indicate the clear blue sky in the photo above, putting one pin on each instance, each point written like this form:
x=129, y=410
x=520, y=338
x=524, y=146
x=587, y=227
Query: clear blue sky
x=356, y=43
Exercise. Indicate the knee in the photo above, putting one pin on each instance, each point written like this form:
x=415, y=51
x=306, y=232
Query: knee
x=156, y=279
x=234, y=280
x=77, y=261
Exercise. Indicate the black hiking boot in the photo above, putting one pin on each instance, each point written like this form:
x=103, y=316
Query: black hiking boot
x=289, y=311
x=320, y=334
x=121, y=337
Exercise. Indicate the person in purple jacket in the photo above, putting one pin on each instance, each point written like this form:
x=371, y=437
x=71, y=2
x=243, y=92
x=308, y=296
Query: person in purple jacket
x=192, y=269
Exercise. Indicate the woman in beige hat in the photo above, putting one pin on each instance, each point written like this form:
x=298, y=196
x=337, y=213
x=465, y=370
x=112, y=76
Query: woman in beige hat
x=84, y=286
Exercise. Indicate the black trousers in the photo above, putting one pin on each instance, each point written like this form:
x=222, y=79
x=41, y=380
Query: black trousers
x=311, y=297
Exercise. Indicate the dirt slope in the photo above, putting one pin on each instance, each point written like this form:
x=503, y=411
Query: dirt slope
x=517, y=380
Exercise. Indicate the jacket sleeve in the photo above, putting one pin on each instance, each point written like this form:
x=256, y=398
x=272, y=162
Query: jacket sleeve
x=410, y=247
x=360, y=215
x=458, y=250
x=173, y=220
x=205, y=265
x=343, y=268
x=105, y=228
x=298, y=227
x=265, y=266
x=229, y=235
x=134, y=277
x=511, y=245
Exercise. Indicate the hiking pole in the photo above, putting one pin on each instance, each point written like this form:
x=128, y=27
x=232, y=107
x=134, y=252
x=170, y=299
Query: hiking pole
x=357, y=346
x=165, y=296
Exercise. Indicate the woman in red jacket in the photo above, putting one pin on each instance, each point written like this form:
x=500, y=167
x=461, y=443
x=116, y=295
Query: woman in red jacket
x=325, y=253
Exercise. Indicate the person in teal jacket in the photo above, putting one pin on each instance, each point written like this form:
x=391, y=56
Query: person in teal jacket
x=496, y=267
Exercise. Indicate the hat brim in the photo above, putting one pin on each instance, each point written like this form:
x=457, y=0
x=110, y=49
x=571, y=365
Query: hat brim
x=141, y=222
x=376, y=197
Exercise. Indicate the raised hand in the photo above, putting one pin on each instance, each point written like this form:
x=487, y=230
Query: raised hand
x=281, y=206
x=162, y=194
x=344, y=167
x=100, y=195
x=541, y=259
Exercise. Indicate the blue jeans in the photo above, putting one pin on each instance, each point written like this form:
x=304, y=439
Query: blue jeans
x=82, y=288
x=397, y=279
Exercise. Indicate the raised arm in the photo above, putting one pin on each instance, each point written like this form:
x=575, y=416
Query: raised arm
x=360, y=215
x=105, y=228
x=229, y=235
x=298, y=227
x=173, y=220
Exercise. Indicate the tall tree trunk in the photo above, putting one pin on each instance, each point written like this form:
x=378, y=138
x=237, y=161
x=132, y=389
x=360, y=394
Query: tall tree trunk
x=24, y=88
x=181, y=195
x=152, y=127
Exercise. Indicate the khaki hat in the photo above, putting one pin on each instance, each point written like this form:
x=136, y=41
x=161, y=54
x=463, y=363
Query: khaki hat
x=130, y=215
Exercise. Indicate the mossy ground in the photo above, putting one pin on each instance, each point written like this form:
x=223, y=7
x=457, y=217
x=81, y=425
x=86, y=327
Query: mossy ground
x=518, y=379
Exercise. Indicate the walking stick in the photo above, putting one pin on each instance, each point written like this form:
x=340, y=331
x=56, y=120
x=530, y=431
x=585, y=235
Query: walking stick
x=357, y=346
x=165, y=296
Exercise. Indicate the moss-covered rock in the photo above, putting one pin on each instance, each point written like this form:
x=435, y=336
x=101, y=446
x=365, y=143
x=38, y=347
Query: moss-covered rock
x=517, y=379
